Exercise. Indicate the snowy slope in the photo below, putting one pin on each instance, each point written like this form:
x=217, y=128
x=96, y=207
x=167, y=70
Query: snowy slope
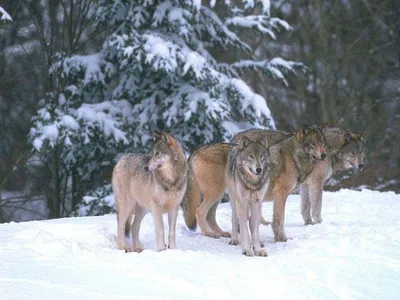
x=354, y=254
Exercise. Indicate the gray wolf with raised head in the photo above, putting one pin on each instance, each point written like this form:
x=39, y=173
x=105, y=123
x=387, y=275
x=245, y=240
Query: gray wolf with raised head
x=154, y=181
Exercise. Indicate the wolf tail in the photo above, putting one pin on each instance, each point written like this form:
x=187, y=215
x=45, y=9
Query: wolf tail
x=128, y=227
x=191, y=201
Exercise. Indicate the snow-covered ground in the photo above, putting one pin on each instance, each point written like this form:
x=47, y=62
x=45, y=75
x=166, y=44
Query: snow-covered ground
x=354, y=254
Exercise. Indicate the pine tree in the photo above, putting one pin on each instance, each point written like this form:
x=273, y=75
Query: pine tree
x=156, y=71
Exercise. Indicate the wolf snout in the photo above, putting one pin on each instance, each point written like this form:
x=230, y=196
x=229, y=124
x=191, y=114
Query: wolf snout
x=360, y=166
x=323, y=155
x=258, y=171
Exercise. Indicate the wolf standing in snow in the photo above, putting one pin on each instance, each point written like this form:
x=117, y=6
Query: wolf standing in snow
x=155, y=181
x=207, y=177
x=346, y=151
x=247, y=181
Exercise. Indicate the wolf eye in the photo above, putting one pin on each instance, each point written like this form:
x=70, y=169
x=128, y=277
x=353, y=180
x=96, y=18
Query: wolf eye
x=157, y=153
x=261, y=156
x=251, y=156
x=353, y=153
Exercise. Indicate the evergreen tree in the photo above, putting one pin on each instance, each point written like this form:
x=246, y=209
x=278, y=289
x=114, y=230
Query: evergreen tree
x=156, y=71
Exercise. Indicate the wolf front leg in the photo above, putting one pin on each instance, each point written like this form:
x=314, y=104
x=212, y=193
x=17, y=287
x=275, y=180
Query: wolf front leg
x=172, y=216
x=157, y=213
x=242, y=212
x=305, y=204
x=140, y=212
x=316, y=201
x=280, y=196
x=235, y=226
x=255, y=217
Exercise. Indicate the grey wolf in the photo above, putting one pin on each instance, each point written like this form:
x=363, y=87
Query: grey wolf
x=246, y=176
x=154, y=181
x=291, y=162
x=346, y=151
x=207, y=178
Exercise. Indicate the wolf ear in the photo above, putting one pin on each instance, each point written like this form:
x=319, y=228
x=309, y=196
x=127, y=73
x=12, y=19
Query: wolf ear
x=170, y=140
x=244, y=142
x=362, y=136
x=347, y=137
x=157, y=135
x=301, y=132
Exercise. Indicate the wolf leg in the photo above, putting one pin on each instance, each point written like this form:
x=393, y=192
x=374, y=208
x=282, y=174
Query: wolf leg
x=122, y=219
x=135, y=229
x=316, y=202
x=305, y=204
x=157, y=213
x=242, y=212
x=255, y=228
x=213, y=223
x=172, y=216
x=279, y=216
x=235, y=226
x=201, y=214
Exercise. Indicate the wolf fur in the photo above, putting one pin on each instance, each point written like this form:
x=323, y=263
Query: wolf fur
x=207, y=177
x=291, y=162
x=246, y=178
x=346, y=151
x=155, y=181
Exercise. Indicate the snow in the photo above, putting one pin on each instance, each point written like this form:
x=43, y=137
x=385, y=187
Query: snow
x=353, y=254
x=4, y=16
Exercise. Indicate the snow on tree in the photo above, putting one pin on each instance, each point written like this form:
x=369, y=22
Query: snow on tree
x=4, y=16
x=156, y=70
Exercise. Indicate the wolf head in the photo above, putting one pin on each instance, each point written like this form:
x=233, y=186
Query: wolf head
x=312, y=141
x=253, y=156
x=164, y=150
x=353, y=150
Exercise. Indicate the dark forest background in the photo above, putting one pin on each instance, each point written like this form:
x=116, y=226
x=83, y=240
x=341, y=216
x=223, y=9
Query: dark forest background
x=351, y=50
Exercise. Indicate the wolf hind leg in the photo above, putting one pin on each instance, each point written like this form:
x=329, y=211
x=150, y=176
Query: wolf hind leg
x=211, y=219
x=201, y=215
x=305, y=204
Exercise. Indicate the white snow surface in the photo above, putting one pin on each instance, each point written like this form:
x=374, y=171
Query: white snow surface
x=353, y=254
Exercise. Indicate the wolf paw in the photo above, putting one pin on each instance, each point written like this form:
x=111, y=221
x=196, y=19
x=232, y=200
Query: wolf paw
x=226, y=234
x=212, y=234
x=262, y=244
x=247, y=252
x=261, y=253
x=171, y=246
x=308, y=222
x=318, y=220
x=281, y=238
x=161, y=248
x=234, y=242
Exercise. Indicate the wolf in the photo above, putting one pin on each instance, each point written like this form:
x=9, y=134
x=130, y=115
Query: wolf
x=207, y=166
x=246, y=176
x=346, y=151
x=291, y=162
x=154, y=181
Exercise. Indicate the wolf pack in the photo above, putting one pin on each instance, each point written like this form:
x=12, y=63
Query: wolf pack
x=258, y=165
